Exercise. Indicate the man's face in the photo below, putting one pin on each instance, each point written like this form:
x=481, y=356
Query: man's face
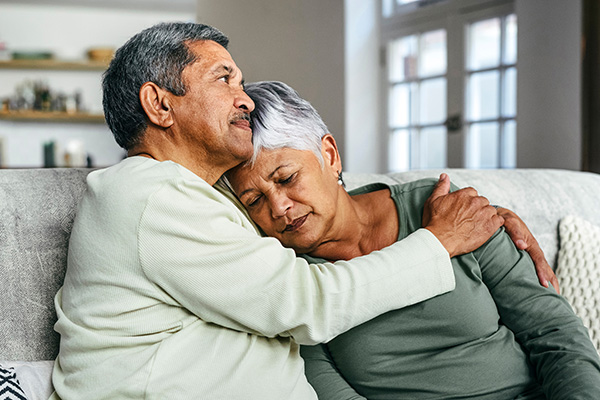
x=212, y=117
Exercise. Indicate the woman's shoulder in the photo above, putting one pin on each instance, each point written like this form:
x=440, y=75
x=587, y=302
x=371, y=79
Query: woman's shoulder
x=415, y=192
x=426, y=184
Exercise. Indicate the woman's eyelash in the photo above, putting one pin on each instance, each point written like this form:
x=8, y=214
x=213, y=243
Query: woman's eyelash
x=288, y=179
x=254, y=201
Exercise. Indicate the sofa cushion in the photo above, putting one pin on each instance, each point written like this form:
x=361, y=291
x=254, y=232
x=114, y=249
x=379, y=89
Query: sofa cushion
x=35, y=377
x=10, y=388
x=36, y=213
x=578, y=271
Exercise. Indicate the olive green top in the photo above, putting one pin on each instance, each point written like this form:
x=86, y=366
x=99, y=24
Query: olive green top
x=498, y=335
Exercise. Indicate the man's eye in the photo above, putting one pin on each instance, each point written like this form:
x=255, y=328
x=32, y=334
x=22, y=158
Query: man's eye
x=224, y=78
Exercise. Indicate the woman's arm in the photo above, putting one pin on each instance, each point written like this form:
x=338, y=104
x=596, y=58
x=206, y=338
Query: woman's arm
x=565, y=360
x=524, y=240
x=323, y=375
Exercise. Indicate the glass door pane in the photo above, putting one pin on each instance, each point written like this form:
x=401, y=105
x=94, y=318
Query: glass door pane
x=417, y=101
x=484, y=44
x=483, y=95
x=482, y=146
x=491, y=93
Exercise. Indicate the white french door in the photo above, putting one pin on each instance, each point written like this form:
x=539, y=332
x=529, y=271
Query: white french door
x=450, y=83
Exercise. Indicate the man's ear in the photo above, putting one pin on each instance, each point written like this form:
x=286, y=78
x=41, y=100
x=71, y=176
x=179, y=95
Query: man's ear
x=330, y=153
x=156, y=104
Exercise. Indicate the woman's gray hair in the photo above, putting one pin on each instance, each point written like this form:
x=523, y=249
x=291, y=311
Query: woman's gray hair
x=158, y=54
x=281, y=118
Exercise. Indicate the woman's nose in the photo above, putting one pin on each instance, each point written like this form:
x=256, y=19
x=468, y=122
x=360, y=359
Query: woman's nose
x=280, y=204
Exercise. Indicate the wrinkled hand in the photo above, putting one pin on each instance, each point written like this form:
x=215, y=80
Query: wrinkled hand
x=524, y=240
x=462, y=221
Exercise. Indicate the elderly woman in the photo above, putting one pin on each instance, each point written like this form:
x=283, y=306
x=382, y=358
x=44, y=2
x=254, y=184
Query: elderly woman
x=498, y=335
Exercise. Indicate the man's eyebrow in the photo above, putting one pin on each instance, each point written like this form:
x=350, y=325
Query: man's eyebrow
x=222, y=67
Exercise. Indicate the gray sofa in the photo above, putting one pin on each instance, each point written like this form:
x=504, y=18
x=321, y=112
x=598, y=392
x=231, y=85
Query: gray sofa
x=37, y=209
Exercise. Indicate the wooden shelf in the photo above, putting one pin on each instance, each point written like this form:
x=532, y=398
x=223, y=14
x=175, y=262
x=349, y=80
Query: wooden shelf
x=83, y=65
x=51, y=116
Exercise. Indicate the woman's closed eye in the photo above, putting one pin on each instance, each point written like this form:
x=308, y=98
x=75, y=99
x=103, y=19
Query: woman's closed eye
x=287, y=180
x=253, y=201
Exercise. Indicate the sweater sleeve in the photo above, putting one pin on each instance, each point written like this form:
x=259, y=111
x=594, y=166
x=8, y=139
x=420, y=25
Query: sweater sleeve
x=201, y=253
x=565, y=361
x=323, y=375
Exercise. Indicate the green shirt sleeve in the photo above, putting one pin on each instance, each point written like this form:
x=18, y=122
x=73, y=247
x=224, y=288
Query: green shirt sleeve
x=564, y=359
x=324, y=376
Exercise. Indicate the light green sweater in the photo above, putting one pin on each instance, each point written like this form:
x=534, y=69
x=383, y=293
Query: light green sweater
x=170, y=293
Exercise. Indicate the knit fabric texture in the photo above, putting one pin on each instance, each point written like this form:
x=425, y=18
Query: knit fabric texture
x=578, y=271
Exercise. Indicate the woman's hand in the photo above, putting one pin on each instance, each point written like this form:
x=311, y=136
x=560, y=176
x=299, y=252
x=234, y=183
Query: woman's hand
x=524, y=240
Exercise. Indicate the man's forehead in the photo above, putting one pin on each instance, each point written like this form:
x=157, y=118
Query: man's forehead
x=214, y=57
x=210, y=51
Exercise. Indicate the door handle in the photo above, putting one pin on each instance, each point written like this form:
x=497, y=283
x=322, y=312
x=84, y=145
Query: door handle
x=454, y=123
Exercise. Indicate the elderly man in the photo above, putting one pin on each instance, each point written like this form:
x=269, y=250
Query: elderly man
x=170, y=292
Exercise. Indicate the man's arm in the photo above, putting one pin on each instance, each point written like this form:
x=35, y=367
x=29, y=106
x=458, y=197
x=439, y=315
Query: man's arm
x=194, y=246
x=515, y=227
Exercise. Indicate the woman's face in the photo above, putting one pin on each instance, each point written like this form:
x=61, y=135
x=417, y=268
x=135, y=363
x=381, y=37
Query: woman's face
x=291, y=196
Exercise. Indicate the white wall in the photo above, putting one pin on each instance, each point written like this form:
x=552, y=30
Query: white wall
x=298, y=42
x=68, y=31
x=363, y=141
x=549, y=84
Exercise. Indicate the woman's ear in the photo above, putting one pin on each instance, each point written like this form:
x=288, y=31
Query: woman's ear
x=156, y=104
x=330, y=153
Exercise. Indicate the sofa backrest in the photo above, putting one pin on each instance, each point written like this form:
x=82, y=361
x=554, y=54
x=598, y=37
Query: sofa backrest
x=541, y=197
x=36, y=214
x=37, y=208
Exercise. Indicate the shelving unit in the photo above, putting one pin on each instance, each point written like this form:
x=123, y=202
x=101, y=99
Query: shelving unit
x=83, y=65
x=51, y=116
x=56, y=65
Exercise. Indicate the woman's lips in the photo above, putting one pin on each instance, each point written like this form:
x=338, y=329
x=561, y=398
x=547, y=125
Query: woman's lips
x=296, y=224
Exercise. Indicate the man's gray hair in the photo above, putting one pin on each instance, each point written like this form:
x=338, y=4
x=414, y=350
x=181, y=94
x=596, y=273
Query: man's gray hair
x=281, y=118
x=158, y=54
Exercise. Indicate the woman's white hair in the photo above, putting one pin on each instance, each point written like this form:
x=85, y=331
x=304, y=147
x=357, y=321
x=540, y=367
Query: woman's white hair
x=281, y=118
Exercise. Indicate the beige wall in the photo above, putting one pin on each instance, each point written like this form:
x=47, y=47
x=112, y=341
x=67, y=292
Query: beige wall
x=306, y=44
x=297, y=42
x=549, y=84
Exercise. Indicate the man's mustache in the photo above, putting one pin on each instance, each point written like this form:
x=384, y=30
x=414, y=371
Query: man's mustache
x=241, y=116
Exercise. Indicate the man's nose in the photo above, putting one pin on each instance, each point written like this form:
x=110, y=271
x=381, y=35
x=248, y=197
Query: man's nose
x=244, y=102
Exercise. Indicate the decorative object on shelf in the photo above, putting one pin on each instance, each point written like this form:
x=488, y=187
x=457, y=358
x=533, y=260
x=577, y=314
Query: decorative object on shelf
x=73, y=156
x=2, y=153
x=37, y=96
x=32, y=55
x=50, y=154
x=4, y=53
x=101, y=54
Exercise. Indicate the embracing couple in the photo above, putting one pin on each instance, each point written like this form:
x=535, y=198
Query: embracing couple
x=385, y=292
